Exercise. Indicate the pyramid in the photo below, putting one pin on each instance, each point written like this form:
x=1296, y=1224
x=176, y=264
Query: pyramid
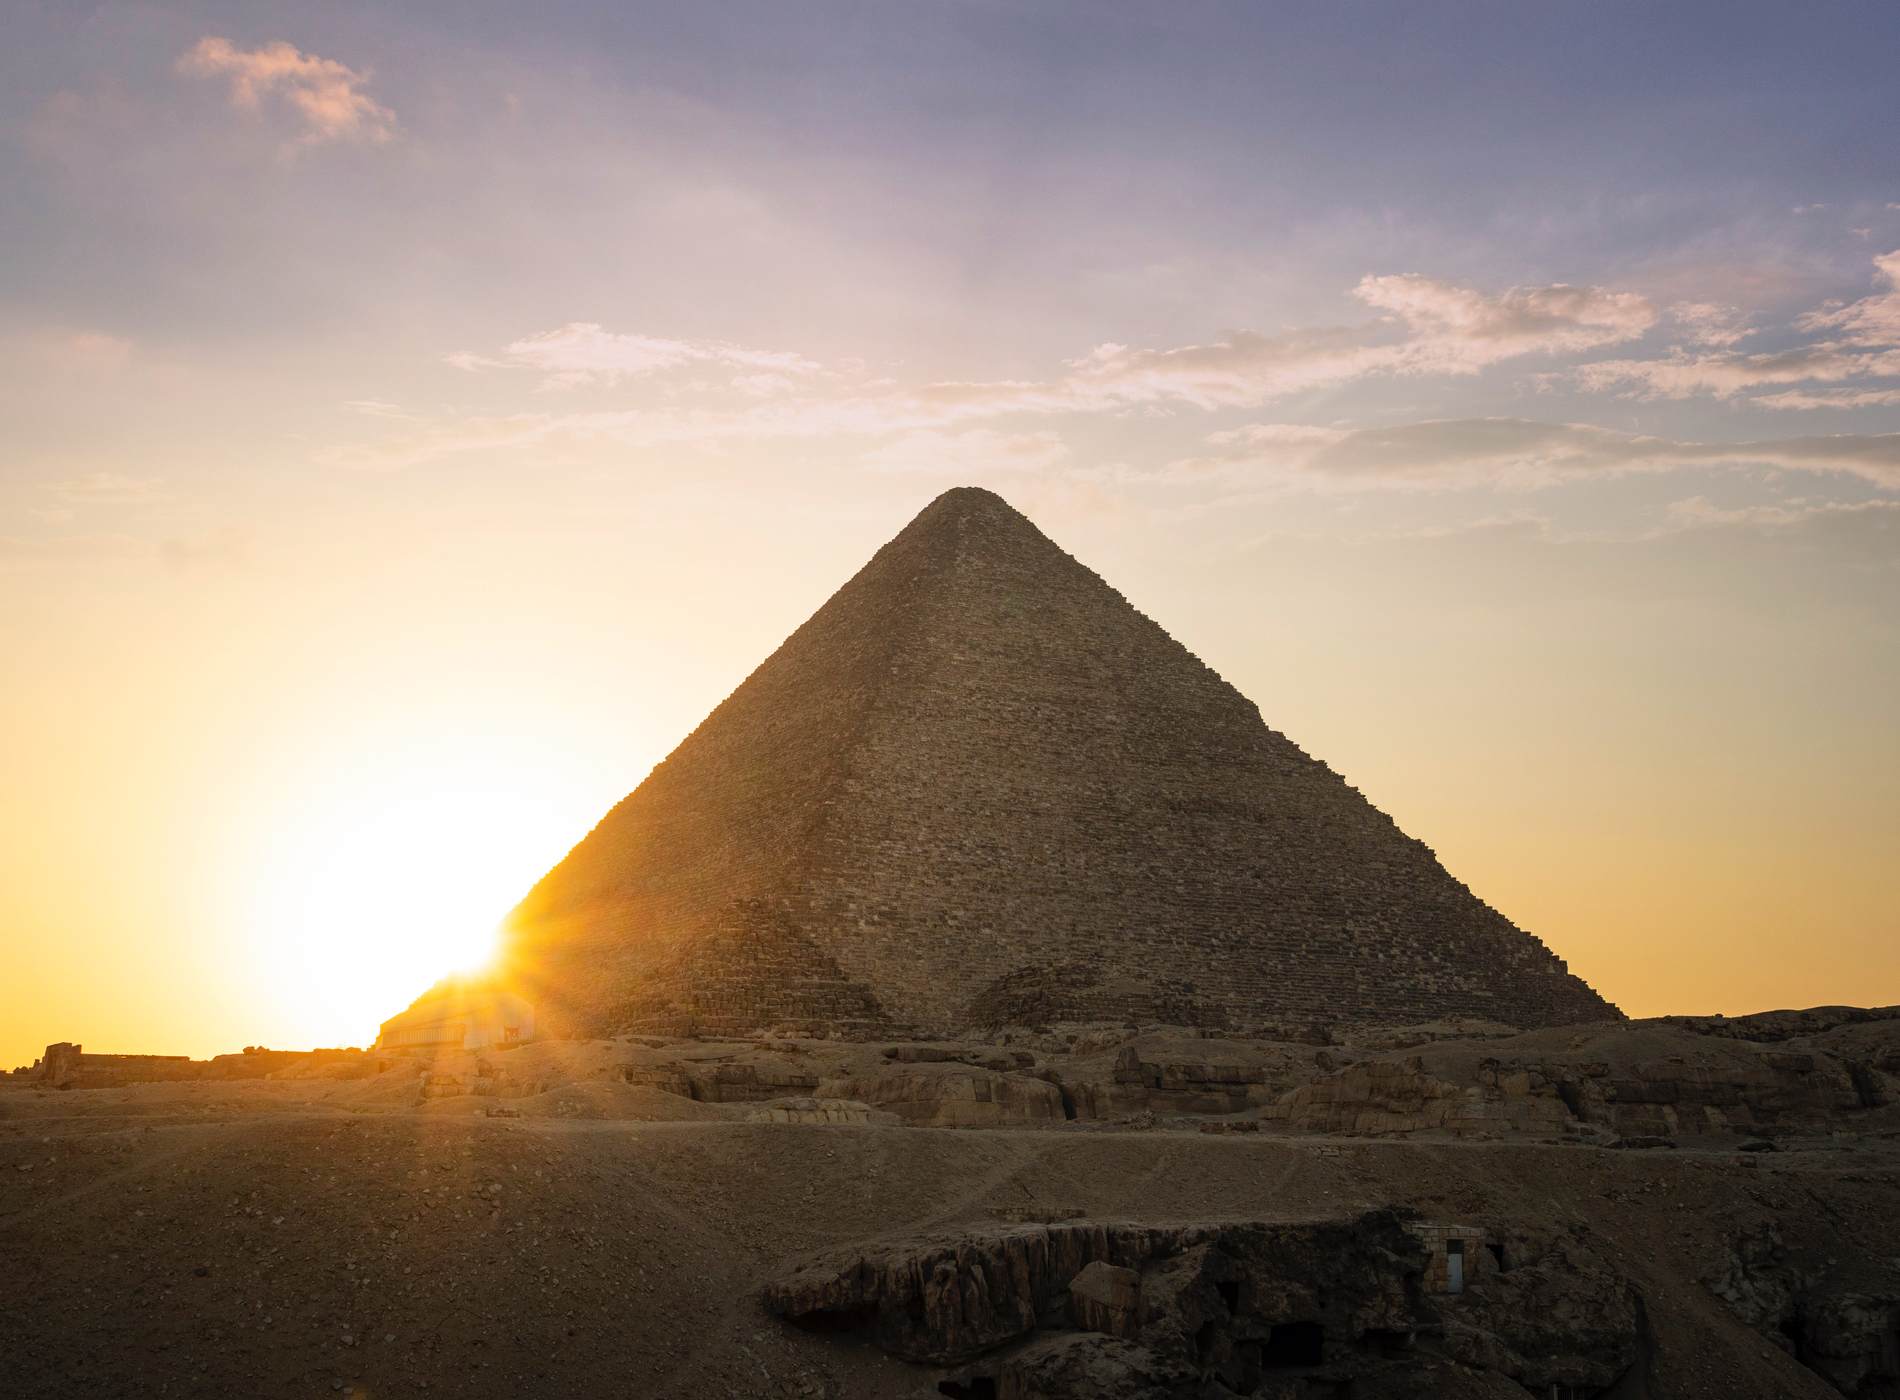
x=978, y=788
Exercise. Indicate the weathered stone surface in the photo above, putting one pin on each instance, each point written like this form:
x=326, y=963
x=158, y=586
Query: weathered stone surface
x=1291, y=1310
x=1559, y=1316
x=1845, y=1326
x=1397, y=1097
x=978, y=788
x=1106, y=1298
x=809, y=1110
x=1075, y=1365
x=954, y=1096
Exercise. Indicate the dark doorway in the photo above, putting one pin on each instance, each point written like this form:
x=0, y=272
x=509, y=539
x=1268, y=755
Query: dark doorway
x=1294, y=1344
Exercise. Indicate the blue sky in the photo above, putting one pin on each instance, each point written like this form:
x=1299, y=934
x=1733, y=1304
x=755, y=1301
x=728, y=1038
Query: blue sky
x=1507, y=396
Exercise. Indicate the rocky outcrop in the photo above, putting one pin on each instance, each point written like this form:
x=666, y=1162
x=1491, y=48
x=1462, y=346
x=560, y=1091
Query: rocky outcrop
x=748, y=1082
x=1679, y=1096
x=1197, y=1077
x=1105, y=1297
x=1291, y=1310
x=954, y=1096
x=808, y=1110
x=1557, y=1317
x=1772, y=1027
x=1397, y=1097
x=1844, y=1327
x=921, y=1086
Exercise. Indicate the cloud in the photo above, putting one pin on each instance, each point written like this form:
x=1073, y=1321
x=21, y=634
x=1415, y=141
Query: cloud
x=1522, y=454
x=1829, y=398
x=327, y=97
x=1241, y=368
x=1682, y=375
x=1429, y=327
x=1873, y=320
x=583, y=353
x=1710, y=323
x=1859, y=342
x=1458, y=329
x=1863, y=531
x=379, y=408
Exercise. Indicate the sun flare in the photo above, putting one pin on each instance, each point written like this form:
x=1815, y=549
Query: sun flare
x=381, y=883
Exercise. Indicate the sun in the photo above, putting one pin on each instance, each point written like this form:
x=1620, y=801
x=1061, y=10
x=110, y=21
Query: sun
x=388, y=876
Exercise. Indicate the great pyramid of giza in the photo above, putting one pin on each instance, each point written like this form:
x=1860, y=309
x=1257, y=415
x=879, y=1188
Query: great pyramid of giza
x=978, y=788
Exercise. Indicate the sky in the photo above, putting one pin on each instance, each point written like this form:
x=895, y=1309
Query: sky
x=416, y=418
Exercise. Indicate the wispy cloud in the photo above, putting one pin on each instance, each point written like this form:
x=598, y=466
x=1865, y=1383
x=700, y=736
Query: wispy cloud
x=1858, y=341
x=1863, y=532
x=326, y=97
x=379, y=408
x=1428, y=327
x=1828, y=398
x=1710, y=323
x=707, y=393
x=1681, y=375
x=1519, y=453
x=583, y=353
x=1872, y=320
x=1458, y=329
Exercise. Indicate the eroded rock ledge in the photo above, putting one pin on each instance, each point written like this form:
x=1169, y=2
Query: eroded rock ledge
x=1288, y=1309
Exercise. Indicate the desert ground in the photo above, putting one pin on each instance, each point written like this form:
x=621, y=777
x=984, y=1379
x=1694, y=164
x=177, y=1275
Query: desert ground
x=1706, y=1209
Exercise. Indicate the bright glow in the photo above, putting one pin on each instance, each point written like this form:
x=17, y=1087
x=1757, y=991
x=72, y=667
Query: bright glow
x=388, y=878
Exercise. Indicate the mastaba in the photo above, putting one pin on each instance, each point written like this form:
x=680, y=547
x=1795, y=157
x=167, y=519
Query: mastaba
x=978, y=788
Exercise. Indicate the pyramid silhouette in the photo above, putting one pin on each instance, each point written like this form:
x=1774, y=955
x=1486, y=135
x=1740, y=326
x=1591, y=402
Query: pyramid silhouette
x=978, y=788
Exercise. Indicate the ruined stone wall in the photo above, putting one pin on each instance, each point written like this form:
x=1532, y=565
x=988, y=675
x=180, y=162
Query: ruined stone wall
x=66, y=1065
x=977, y=771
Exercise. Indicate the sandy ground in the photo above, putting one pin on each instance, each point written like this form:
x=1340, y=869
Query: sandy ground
x=318, y=1238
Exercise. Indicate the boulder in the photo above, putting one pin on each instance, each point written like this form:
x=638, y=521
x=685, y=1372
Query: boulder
x=1106, y=1298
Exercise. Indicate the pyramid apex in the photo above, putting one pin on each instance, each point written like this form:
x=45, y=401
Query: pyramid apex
x=970, y=499
x=963, y=508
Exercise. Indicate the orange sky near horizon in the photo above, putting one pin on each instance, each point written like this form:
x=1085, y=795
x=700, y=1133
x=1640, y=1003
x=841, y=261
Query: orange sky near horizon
x=272, y=815
x=417, y=418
